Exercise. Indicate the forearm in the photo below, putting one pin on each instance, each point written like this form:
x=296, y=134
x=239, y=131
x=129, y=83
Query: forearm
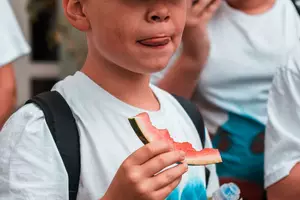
x=8, y=101
x=287, y=188
x=182, y=78
x=7, y=93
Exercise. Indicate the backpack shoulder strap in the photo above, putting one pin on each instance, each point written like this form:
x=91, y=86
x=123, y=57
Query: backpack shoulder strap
x=193, y=112
x=297, y=5
x=63, y=127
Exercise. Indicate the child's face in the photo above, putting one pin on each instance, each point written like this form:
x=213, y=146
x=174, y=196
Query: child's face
x=120, y=31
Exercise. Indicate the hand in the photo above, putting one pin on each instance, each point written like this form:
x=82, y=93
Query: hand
x=200, y=12
x=195, y=39
x=140, y=177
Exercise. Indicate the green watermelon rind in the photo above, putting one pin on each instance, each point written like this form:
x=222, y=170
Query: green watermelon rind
x=138, y=131
x=136, y=126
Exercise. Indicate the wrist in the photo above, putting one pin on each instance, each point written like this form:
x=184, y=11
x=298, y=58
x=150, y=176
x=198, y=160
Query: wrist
x=193, y=62
x=199, y=31
x=196, y=47
x=187, y=68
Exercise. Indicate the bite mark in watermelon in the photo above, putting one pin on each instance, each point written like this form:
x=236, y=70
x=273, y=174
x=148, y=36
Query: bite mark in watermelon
x=146, y=132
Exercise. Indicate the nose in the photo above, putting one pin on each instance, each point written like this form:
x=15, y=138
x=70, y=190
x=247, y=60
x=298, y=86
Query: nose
x=158, y=13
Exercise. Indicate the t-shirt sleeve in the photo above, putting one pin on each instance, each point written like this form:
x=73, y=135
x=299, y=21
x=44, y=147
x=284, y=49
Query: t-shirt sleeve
x=282, y=142
x=213, y=182
x=30, y=165
x=12, y=42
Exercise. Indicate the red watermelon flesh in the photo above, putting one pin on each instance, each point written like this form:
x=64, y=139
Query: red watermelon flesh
x=185, y=146
x=144, y=129
x=204, y=157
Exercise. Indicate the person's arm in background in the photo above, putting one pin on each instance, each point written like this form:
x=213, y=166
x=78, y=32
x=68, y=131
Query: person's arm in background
x=181, y=78
x=7, y=92
x=12, y=46
x=282, y=142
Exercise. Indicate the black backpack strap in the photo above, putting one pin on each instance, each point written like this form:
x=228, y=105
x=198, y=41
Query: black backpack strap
x=297, y=6
x=63, y=127
x=193, y=112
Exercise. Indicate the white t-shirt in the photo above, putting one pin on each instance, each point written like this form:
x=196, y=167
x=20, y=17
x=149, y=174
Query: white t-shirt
x=282, y=133
x=30, y=164
x=233, y=88
x=12, y=42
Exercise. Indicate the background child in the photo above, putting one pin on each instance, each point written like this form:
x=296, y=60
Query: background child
x=226, y=65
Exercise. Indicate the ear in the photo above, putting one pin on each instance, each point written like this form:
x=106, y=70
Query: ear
x=75, y=13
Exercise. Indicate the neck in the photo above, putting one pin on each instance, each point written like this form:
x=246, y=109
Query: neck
x=252, y=6
x=129, y=87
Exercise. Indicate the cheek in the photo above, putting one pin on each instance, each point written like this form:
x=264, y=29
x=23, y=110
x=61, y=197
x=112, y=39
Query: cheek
x=120, y=29
x=179, y=23
x=180, y=18
x=115, y=42
x=107, y=28
x=121, y=37
x=110, y=35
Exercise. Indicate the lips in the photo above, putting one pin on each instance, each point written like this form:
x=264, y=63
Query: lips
x=156, y=41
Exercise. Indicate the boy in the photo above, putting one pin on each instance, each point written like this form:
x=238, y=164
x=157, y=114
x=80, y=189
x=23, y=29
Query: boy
x=228, y=74
x=127, y=40
x=12, y=46
x=282, y=154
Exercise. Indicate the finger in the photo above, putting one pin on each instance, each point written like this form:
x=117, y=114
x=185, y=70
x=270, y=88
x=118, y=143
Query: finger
x=210, y=11
x=199, y=7
x=148, y=151
x=166, y=191
x=162, y=161
x=213, y=3
x=167, y=177
x=214, y=6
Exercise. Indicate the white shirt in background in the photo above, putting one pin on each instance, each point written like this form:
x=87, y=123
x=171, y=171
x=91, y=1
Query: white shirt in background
x=282, y=133
x=12, y=42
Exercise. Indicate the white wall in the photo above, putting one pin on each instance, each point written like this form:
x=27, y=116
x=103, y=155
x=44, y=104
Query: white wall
x=25, y=70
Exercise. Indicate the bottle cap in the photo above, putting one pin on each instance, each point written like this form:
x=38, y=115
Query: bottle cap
x=230, y=191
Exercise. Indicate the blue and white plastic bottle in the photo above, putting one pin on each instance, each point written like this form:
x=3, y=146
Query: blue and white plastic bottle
x=229, y=191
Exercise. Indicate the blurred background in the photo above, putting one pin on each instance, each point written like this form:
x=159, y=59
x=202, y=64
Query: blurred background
x=57, y=49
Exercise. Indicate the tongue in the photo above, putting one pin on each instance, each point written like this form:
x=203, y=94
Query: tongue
x=155, y=41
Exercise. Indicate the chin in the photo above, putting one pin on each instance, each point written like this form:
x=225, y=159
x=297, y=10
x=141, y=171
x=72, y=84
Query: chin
x=155, y=65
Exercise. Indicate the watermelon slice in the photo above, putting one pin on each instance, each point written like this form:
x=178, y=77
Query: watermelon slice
x=144, y=129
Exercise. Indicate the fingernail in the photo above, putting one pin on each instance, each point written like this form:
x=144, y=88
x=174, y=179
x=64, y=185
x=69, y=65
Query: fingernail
x=185, y=166
x=182, y=154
